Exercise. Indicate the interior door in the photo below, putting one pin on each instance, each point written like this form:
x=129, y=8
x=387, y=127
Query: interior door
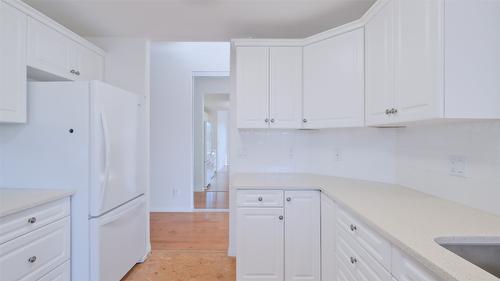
x=302, y=236
x=116, y=120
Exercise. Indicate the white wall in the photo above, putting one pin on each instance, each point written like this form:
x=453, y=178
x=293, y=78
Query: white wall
x=222, y=139
x=127, y=62
x=172, y=67
x=422, y=161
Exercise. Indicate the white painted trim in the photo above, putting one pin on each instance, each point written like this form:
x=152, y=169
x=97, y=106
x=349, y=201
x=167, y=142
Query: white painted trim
x=210, y=210
x=170, y=210
x=31, y=12
x=211, y=74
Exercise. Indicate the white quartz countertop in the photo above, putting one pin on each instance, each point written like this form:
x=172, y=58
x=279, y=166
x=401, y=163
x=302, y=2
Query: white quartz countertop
x=13, y=200
x=410, y=220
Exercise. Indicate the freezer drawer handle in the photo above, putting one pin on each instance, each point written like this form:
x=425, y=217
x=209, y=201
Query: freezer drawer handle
x=32, y=220
x=32, y=259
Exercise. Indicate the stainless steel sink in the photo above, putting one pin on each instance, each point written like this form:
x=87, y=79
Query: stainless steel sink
x=481, y=251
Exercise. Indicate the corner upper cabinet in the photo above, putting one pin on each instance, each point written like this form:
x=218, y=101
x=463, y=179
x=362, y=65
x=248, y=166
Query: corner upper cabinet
x=53, y=54
x=12, y=64
x=334, y=81
x=269, y=87
x=425, y=62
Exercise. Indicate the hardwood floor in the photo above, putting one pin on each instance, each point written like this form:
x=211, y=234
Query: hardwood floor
x=187, y=247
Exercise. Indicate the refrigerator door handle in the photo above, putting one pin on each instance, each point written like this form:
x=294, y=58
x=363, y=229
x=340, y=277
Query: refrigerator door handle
x=107, y=149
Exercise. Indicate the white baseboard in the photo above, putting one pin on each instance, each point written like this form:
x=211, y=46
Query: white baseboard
x=170, y=210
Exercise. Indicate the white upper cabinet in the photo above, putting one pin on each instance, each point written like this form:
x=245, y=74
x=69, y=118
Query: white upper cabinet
x=12, y=64
x=334, y=81
x=252, y=86
x=424, y=61
x=379, y=40
x=285, y=84
x=269, y=87
x=55, y=54
x=48, y=49
x=418, y=59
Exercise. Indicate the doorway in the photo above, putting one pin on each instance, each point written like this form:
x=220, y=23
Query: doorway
x=211, y=122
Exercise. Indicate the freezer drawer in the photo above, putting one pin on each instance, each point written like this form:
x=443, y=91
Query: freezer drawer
x=118, y=241
x=61, y=273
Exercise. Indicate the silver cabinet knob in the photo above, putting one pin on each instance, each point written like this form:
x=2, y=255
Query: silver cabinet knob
x=260, y=198
x=289, y=199
x=32, y=220
x=353, y=260
x=272, y=120
x=32, y=259
x=353, y=227
x=304, y=120
x=281, y=218
x=266, y=120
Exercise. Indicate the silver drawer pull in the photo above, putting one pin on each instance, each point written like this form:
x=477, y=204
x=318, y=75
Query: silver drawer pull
x=32, y=259
x=353, y=227
x=353, y=260
x=32, y=220
x=260, y=198
x=289, y=199
x=281, y=218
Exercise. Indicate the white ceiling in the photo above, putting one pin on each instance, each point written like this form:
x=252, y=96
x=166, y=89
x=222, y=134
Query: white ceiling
x=201, y=20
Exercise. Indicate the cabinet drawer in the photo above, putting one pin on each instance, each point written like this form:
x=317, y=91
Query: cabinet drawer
x=35, y=254
x=370, y=241
x=355, y=260
x=23, y=222
x=405, y=269
x=61, y=273
x=260, y=198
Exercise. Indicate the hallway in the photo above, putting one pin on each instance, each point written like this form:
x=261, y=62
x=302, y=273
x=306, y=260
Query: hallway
x=217, y=194
x=187, y=247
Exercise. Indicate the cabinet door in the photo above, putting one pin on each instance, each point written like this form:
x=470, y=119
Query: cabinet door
x=379, y=39
x=87, y=64
x=328, y=233
x=12, y=64
x=48, y=50
x=334, y=82
x=302, y=235
x=285, y=83
x=419, y=60
x=260, y=244
x=252, y=87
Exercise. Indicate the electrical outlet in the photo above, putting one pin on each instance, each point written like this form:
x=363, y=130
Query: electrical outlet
x=457, y=166
x=291, y=153
x=337, y=155
x=175, y=192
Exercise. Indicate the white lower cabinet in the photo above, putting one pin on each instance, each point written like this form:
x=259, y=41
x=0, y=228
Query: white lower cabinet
x=36, y=245
x=62, y=273
x=405, y=269
x=280, y=243
x=328, y=245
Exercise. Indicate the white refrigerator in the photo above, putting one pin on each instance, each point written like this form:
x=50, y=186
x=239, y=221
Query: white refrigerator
x=90, y=137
